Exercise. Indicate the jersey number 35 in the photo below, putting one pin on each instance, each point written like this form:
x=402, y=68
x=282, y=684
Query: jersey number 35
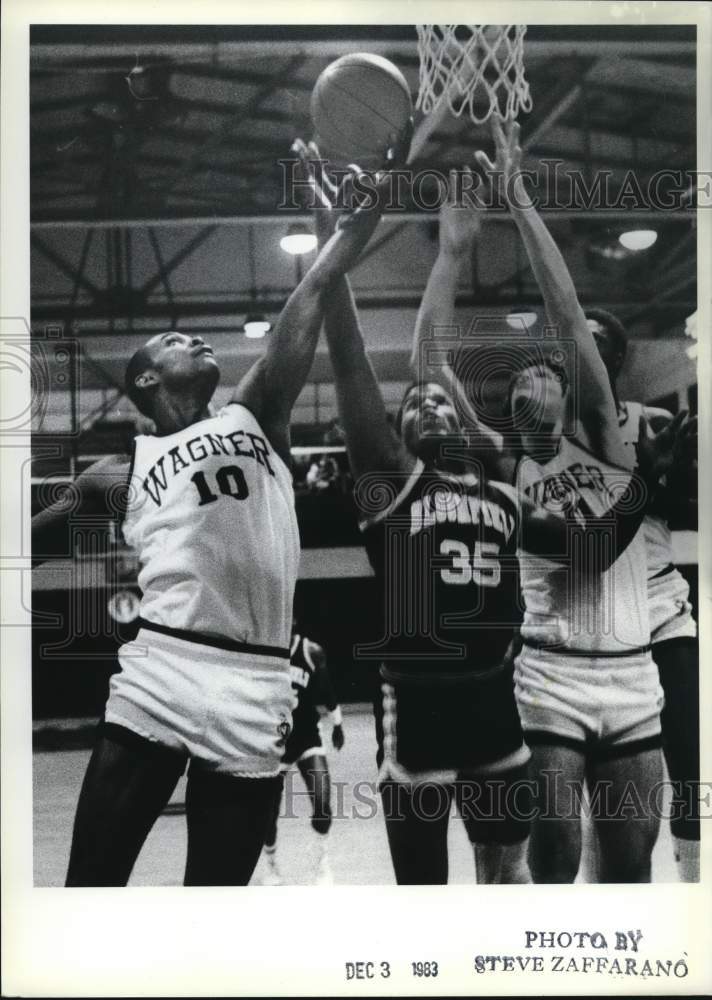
x=481, y=566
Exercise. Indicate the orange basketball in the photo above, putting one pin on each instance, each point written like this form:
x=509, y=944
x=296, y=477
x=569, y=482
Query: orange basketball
x=357, y=104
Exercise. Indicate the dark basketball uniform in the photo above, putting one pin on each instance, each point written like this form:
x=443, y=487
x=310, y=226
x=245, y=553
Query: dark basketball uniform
x=305, y=737
x=444, y=555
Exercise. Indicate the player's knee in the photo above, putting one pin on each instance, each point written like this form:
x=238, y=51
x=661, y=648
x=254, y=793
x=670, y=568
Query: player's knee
x=626, y=855
x=553, y=870
x=514, y=868
x=626, y=869
x=554, y=853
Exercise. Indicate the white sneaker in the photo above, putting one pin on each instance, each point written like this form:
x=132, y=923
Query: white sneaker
x=272, y=874
x=324, y=875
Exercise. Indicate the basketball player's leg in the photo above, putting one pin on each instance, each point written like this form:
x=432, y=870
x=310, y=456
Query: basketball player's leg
x=416, y=824
x=557, y=768
x=677, y=660
x=272, y=875
x=625, y=818
x=497, y=811
x=228, y=819
x=315, y=772
x=128, y=782
x=271, y=835
x=502, y=864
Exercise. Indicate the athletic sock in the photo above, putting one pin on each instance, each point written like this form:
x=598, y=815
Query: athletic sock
x=272, y=875
x=323, y=874
x=687, y=859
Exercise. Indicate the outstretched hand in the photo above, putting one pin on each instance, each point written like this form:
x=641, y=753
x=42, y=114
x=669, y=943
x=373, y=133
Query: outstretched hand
x=506, y=169
x=324, y=193
x=657, y=453
x=333, y=202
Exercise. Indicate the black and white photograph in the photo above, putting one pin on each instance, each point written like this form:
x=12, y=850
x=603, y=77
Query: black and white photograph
x=351, y=560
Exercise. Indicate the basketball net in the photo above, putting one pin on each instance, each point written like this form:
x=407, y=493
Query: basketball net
x=476, y=69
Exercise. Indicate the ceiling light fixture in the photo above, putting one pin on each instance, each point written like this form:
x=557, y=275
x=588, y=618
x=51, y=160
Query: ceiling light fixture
x=299, y=239
x=638, y=239
x=256, y=325
x=521, y=319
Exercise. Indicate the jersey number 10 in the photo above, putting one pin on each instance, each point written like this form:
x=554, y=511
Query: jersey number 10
x=230, y=480
x=480, y=567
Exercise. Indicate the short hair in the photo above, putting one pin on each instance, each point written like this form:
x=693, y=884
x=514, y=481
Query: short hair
x=612, y=325
x=137, y=365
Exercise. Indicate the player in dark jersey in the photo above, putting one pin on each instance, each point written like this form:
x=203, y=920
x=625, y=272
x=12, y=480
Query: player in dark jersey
x=442, y=538
x=313, y=687
x=183, y=711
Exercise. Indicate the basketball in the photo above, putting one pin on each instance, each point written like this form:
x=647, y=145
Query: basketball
x=357, y=104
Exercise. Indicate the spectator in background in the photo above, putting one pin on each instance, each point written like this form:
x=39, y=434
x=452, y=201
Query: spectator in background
x=323, y=474
x=334, y=434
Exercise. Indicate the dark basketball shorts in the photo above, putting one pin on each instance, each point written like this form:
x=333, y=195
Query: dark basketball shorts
x=437, y=730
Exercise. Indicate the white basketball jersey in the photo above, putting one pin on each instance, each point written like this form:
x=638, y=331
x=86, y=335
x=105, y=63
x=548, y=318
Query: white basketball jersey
x=585, y=610
x=212, y=520
x=658, y=537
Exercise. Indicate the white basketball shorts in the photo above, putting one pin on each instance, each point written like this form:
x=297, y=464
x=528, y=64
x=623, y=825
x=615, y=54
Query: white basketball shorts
x=597, y=701
x=229, y=710
x=670, y=609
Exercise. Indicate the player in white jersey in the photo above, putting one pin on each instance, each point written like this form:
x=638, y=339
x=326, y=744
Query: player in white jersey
x=587, y=688
x=210, y=513
x=672, y=627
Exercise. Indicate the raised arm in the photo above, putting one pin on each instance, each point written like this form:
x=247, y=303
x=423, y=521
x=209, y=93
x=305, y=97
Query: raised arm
x=371, y=442
x=272, y=385
x=593, y=398
x=460, y=226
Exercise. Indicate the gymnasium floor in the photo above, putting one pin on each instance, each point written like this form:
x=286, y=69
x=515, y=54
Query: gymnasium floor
x=357, y=848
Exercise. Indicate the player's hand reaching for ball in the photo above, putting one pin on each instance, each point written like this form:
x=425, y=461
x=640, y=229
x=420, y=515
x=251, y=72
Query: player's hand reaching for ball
x=337, y=737
x=323, y=190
